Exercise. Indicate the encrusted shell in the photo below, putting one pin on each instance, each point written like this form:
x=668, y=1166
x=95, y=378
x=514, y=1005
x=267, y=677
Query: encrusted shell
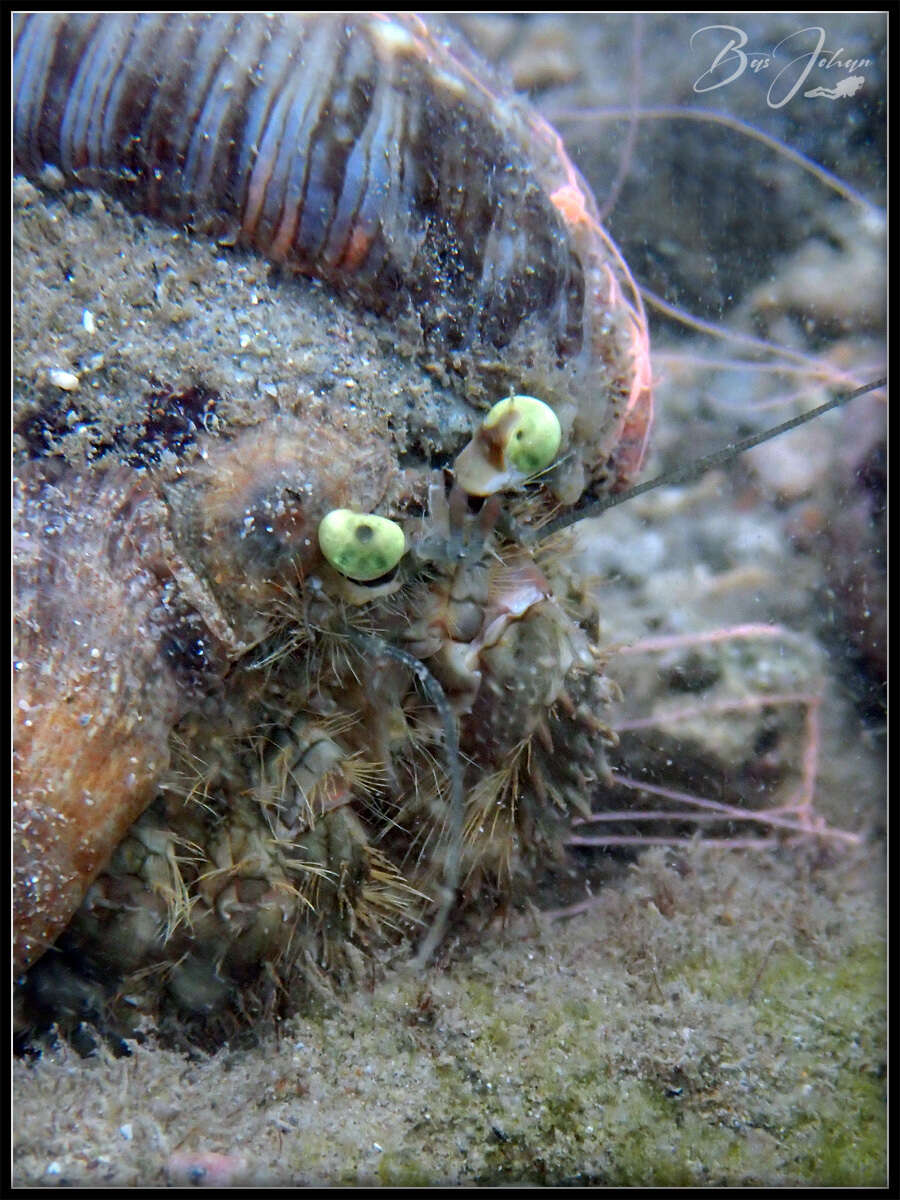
x=361, y=150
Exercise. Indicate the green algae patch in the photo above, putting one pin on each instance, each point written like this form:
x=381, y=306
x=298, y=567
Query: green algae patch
x=817, y=1039
x=736, y=1041
x=403, y=1171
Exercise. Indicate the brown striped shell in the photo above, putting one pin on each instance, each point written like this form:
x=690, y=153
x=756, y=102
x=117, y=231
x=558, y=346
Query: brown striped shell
x=362, y=151
x=357, y=149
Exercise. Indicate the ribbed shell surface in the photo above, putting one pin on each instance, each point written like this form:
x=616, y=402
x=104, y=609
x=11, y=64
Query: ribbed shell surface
x=356, y=148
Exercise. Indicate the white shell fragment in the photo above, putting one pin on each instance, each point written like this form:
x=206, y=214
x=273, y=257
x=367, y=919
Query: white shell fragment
x=67, y=381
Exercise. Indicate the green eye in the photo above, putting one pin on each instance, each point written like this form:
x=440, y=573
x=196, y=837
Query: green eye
x=531, y=430
x=519, y=437
x=360, y=546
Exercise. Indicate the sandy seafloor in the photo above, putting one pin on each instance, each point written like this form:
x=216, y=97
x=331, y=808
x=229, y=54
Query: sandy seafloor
x=712, y=1018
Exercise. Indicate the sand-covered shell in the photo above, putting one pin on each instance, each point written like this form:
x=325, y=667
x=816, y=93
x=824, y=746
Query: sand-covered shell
x=167, y=515
x=362, y=150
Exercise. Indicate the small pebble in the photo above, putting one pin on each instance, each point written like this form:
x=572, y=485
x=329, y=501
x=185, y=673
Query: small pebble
x=66, y=380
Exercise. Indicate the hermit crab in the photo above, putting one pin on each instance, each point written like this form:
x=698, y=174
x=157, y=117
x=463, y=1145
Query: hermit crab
x=295, y=675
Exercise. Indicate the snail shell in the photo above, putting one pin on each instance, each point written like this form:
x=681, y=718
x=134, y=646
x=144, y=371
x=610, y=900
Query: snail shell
x=361, y=151
x=95, y=696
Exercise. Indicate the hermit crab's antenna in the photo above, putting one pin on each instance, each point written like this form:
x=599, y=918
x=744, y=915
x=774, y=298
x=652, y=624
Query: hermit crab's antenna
x=697, y=467
x=377, y=647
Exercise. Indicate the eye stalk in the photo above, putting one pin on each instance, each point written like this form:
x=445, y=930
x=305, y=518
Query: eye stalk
x=360, y=546
x=518, y=438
